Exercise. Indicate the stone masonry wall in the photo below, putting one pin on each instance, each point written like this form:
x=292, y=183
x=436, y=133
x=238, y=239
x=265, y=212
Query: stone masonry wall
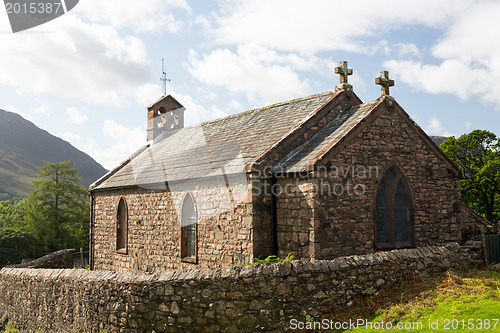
x=345, y=217
x=248, y=299
x=322, y=216
x=472, y=223
x=295, y=211
x=295, y=215
x=224, y=228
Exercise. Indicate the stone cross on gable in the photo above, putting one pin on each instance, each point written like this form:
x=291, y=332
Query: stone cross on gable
x=344, y=72
x=385, y=82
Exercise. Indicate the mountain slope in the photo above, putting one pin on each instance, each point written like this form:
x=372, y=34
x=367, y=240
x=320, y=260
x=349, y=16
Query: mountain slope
x=438, y=139
x=24, y=147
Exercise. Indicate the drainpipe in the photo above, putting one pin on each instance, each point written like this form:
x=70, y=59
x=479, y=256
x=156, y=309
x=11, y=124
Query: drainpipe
x=91, y=245
x=274, y=215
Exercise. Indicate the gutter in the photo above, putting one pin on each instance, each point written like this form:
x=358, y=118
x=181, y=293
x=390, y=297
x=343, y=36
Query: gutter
x=91, y=245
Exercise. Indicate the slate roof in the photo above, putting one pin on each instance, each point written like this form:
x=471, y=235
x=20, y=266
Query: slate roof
x=222, y=146
x=325, y=139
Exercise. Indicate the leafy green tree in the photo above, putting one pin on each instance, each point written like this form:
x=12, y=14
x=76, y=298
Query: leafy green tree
x=477, y=154
x=57, y=209
x=12, y=215
x=16, y=245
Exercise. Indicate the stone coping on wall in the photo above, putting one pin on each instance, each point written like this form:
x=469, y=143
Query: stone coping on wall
x=240, y=299
x=277, y=269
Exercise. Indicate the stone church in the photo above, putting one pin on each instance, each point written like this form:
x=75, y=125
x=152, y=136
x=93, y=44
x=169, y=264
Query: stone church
x=320, y=176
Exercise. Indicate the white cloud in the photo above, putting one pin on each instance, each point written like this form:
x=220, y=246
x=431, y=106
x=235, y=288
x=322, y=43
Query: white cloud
x=123, y=143
x=264, y=75
x=147, y=93
x=449, y=77
x=324, y=24
x=473, y=37
x=235, y=105
x=119, y=142
x=435, y=127
x=77, y=61
x=12, y=108
x=75, y=117
x=382, y=46
x=73, y=138
x=196, y=113
x=470, y=66
x=408, y=50
x=468, y=125
x=152, y=16
x=43, y=109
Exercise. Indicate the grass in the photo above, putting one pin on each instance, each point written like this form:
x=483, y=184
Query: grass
x=9, y=328
x=269, y=260
x=440, y=304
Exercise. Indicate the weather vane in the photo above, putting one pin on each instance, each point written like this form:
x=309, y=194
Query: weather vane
x=164, y=78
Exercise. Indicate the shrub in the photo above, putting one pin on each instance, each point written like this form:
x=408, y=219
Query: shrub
x=269, y=260
x=16, y=245
x=9, y=328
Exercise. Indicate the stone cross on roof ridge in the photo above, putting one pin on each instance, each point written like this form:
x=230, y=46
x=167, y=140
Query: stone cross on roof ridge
x=385, y=82
x=344, y=72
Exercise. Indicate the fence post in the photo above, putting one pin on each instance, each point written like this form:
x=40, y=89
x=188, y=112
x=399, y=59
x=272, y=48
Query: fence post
x=81, y=257
x=483, y=243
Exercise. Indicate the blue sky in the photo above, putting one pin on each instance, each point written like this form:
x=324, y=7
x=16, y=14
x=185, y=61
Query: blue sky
x=88, y=75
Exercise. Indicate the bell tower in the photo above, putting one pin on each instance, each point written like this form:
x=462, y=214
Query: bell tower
x=165, y=116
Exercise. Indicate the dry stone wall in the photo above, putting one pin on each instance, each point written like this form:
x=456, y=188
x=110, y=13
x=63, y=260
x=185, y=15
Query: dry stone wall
x=472, y=223
x=248, y=299
x=58, y=259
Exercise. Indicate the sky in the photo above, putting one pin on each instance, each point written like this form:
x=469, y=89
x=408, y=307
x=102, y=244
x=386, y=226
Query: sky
x=88, y=75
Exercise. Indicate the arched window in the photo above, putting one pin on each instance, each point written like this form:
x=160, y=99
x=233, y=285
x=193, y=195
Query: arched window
x=121, y=226
x=188, y=229
x=394, y=211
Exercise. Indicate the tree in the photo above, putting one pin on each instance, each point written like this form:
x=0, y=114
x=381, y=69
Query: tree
x=477, y=155
x=57, y=209
x=16, y=245
x=12, y=215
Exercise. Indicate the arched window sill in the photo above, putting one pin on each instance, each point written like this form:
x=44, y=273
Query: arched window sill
x=191, y=260
x=121, y=251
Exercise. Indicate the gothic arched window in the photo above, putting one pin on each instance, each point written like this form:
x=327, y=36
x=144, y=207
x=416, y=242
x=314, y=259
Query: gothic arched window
x=121, y=226
x=188, y=229
x=393, y=211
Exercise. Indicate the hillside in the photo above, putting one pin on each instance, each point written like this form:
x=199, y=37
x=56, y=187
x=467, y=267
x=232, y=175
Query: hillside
x=24, y=147
x=438, y=139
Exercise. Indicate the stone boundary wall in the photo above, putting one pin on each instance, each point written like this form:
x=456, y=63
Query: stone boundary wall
x=247, y=299
x=58, y=259
x=472, y=223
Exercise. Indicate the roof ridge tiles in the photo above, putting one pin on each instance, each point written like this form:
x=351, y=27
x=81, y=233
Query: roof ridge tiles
x=271, y=106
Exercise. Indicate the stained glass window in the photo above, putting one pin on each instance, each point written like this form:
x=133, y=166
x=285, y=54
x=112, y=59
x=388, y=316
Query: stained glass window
x=394, y=216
